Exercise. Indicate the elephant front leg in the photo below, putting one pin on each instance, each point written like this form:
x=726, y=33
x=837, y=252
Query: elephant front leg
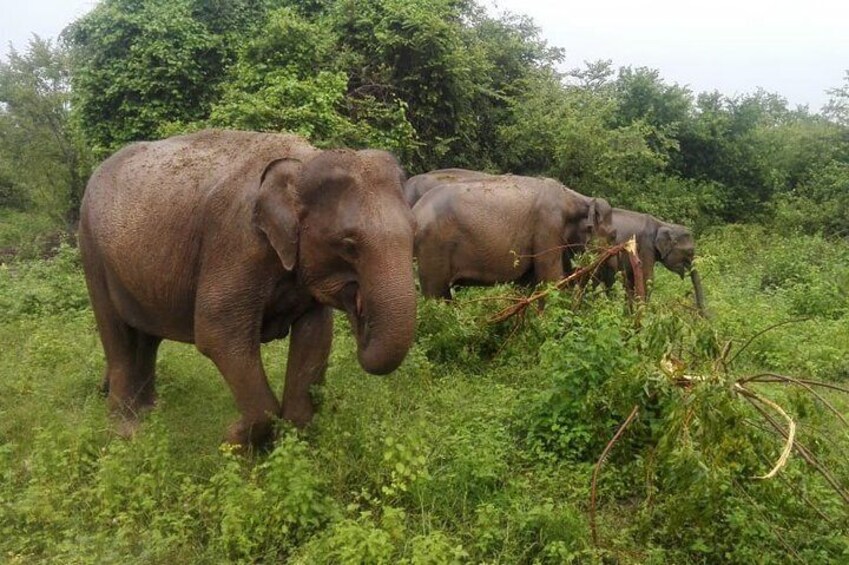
x=309, y=348
x=238, y=359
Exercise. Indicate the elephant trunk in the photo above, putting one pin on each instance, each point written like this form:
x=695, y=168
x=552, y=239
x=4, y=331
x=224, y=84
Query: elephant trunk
x=388, y=317
x=699, y=292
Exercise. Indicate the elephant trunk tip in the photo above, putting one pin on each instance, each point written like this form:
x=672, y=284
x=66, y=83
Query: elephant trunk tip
x=380, y=364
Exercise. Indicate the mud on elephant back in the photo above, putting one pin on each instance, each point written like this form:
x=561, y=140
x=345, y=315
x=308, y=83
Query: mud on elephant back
x=228, y=239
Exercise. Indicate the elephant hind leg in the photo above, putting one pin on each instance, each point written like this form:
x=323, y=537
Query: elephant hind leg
x=435, y=286
x=129, y=379
x=435, y=277
x=130, y=370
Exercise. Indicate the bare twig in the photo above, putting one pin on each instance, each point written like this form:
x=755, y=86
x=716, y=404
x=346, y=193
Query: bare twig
x=600, y=462
x=637, y=267
x=786, y=481
x=809, y=388
x=763, y=331
x=774, y=377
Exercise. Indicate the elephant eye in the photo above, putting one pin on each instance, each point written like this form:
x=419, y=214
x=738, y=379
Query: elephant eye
x=348, y=248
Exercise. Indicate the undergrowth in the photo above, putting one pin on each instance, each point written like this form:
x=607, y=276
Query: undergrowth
x=480, y=448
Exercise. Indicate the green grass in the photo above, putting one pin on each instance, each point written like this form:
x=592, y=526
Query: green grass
x=26, y=235
x=480, y=448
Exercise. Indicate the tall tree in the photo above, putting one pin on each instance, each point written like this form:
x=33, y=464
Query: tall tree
x=43, y=157
x=837, y=108
x=141, y=65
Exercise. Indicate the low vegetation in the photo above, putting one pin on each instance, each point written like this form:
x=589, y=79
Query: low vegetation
x=481, y=448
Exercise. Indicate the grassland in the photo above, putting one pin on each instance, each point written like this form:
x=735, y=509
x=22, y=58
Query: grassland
x=480, y=449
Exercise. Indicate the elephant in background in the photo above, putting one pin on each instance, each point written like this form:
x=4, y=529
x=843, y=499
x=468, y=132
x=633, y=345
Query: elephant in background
x=229, y=239
x=670, y=244
x=419, y=185
x=491, y=229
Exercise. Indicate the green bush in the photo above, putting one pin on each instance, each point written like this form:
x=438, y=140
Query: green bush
x=47, y=288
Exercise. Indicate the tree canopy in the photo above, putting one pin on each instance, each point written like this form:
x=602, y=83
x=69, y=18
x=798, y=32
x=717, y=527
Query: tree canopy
x=440, y=83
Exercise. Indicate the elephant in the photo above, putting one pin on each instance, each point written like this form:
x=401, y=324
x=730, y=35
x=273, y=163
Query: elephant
x=229, y=239
x=671, y=244
x=417, y=186
x=501, y=228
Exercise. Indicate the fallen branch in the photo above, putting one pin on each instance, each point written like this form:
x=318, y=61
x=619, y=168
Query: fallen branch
x=600, y=462
x=785, y=480
x=579, y=275
x=773, y=378
x=762, y=332
x=766, y=519
x=790, y=436
x=790, y=380
x=805, y=453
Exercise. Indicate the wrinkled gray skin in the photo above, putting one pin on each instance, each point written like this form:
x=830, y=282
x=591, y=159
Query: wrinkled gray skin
x=670, y=244
x=419, y=185
x=492, y=229
x=229, y=239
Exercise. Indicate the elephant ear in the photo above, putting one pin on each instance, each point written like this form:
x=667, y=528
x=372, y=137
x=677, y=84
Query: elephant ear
x=594, y=218
x=276, y=209
x=664, y=241
x=592, y=214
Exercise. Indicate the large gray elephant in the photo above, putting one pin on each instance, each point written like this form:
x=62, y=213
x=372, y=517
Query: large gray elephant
x=670, y=244
x=417, y=186
x=502, y=228
x=228, y=239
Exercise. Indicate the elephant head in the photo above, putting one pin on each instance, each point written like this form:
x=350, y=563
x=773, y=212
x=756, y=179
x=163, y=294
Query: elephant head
x=340, y=223
x=675, y=248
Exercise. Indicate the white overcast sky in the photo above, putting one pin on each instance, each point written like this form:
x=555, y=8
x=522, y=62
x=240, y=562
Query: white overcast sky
x=797, y=49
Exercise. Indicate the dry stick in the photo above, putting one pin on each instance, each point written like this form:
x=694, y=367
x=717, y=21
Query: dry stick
x=791, y=434
x=804, y=453
x=637, y=267
x=763, y=331
x=600, y=462
x=774, y=377
x=791, y=380
x=501, y=297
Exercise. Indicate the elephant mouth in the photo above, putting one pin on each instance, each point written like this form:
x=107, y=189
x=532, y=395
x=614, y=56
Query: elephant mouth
x=354, y=306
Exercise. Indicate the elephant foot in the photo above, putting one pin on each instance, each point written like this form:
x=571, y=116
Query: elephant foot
x=256, y=434
x=125, y=426
x=127, y=416
x=299, y=413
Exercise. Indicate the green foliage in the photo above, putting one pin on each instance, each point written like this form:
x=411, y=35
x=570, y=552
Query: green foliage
x=585, y=357
x=481, y=447
x=43, y=163
x=38, y=289
x=139, y=65
x=820, y=203
x=275, y=87
x=565, y=133
x=266, y=511
x=837, y=108
x=25, y=235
